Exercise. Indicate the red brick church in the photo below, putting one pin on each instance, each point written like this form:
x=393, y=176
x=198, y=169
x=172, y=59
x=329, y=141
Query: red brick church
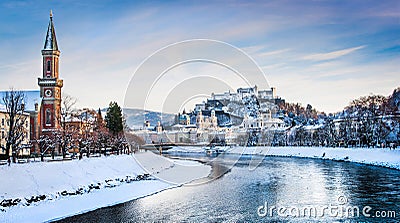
x=46, y=113
x=50, y=84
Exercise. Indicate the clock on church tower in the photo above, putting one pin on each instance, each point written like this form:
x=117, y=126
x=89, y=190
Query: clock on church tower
x=50, y=84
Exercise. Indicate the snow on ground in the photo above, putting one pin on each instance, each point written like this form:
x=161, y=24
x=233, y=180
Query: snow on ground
x=109, y=174
x=115, y=176
x=376, y=156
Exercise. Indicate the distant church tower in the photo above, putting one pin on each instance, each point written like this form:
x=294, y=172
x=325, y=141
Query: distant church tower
x=50, y=84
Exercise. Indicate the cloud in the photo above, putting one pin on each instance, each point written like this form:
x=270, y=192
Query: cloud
x=12, y=66
x=15, y=4
x=115, y=38
x=274, y=66
x=332, y=55
x=253, y=49
x=272, y=53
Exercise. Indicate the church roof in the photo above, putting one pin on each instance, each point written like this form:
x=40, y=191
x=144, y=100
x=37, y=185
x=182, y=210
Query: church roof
x=51, y=41
x=31, y=98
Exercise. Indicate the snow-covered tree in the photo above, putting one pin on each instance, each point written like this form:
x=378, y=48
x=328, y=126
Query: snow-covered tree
x=16, y=119
x=67, y=112
x=364, y=115
x=46, y=143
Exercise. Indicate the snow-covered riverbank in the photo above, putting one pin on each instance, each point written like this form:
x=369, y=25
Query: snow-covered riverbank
x=379, y=157
x=44, y=191
x=51, y=190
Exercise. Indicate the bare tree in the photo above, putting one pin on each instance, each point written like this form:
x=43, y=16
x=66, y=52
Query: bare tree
x=67, y=111
x=88, y=122
x=46, y=143
x=368, y=111
x=16, y=118
x=134, y=141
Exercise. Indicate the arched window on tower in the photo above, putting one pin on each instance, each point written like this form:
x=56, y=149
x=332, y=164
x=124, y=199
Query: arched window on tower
x=48, y=65
x=48, y=117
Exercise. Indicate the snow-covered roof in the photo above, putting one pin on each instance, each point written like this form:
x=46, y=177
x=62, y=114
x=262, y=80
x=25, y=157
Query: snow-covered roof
x=313, y=127
x=72, y=119
x=184, y=126
x=285, y=128
x=274, y=120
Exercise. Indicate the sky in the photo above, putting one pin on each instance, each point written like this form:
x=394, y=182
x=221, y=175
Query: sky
x=323, y=53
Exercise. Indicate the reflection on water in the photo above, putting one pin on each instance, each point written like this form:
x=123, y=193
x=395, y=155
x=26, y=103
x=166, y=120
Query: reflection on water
x=280, y=182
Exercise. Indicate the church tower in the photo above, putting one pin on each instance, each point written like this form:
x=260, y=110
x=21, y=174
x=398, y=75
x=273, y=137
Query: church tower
x=50, y=84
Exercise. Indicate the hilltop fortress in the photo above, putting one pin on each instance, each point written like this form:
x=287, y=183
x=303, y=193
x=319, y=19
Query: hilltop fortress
x=222, y=118
x=234, y=108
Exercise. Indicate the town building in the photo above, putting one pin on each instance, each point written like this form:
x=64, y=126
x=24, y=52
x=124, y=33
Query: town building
x=24, y=148
x=262, y=121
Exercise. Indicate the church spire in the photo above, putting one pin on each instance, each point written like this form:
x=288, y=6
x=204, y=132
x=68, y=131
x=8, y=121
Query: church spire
x=51, y=41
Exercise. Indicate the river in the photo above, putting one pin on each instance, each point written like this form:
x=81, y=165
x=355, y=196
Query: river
x=278, y=190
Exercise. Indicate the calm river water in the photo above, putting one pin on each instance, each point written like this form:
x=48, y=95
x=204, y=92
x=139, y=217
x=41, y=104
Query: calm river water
x=279, y=190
